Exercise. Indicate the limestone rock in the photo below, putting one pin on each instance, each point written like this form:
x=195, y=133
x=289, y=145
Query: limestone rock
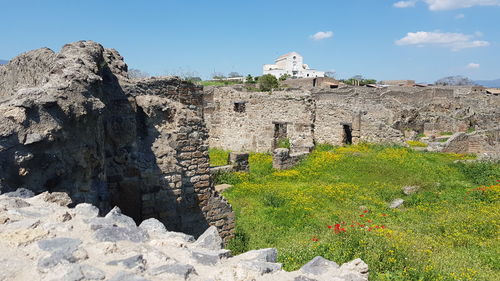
x=318, y=266
x=86, y=210
x=210, y=239
x=222, y=187
x=153, y=226
x=115, y=234
x=396, y=203
x=116, y=216
x=410, y=189
x=20, y=193
x=60, y=198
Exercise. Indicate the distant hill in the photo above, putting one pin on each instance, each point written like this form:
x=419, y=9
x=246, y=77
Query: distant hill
x=4, y=61
x=489, y=83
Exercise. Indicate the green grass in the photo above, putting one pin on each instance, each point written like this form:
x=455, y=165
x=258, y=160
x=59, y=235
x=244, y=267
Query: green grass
x=412, y=143
x=219, y=83
x=446, y=231
x=218, y=157
x=446, y=133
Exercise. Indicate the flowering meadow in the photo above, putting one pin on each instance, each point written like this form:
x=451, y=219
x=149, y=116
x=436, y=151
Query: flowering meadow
x=335, y=204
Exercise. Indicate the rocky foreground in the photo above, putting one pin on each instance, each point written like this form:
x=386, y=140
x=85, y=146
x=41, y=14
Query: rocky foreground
x=42, y=239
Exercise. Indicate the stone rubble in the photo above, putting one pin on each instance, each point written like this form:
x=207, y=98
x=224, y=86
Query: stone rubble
x=42, y=239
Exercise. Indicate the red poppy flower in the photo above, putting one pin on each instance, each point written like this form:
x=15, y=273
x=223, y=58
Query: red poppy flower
x=352, y=225
x=361, y=215
x=384, y=215
x=382, y=226
x=365, y=211
x=369, y=221
x=329, y=226
x=361, y=225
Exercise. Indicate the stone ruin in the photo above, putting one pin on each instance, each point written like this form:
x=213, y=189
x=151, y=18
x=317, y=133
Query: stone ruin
x=73, y=121
x=42, y=239
x=240, y=120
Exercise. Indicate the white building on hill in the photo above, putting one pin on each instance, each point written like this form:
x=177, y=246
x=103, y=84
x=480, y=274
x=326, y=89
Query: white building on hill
x=292, y=64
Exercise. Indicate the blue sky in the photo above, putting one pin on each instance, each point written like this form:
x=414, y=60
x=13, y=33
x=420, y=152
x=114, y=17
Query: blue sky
x=382, y=39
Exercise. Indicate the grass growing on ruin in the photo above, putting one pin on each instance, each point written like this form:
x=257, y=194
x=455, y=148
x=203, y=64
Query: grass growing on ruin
x=218, y=157
x=334, y=204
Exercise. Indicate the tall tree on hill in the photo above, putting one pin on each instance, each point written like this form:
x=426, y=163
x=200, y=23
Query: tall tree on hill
x=455, y=81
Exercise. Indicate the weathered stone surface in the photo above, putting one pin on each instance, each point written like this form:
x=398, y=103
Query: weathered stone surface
x=74, y=122
x=222, y=187
x=21, y=193
x=410, y=189
x=114, y=234
x=266, y=255
x=210, y=240
x=153, y=226
x=396, y=203
x=86, y=210
x=318, y=266
x=183, y=270
x=353, y=115
x=116, y=216
x=130, y=262
x=60, y=198
x=71, y=252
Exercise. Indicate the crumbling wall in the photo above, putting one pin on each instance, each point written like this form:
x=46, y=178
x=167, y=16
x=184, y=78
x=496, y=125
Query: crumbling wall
x=86, y=129
x=248, y=121
x=367, y=117
x=347, y=115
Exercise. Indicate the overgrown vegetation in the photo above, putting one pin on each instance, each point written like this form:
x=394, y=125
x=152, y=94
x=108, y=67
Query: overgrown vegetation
x=218, y=157
x=284, y=143
x=335, y=204
x=268, y=82
x=219, y=83
x=412, y=143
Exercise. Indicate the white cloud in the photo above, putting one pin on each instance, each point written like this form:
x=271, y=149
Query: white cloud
x=459, y=16
x=405, y=4
x=322, y=35
x=439, y=5
x=454, y=41
x=473, y=65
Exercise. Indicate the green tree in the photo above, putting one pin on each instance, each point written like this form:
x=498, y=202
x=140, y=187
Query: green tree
x=285, y=76
x=268, y=82
x=249, y=79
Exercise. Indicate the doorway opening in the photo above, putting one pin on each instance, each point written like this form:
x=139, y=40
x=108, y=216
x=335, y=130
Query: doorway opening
x=346, y=133
x=280, y=133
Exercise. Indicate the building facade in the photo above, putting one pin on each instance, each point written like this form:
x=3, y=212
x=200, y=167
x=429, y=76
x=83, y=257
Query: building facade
x=293, y=65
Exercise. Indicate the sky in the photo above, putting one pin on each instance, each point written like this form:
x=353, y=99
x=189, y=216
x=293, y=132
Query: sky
x=423, y=40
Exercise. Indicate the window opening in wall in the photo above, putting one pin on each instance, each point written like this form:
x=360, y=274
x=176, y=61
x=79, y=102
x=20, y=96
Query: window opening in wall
x=314, y=82
x=346, y=133
x=280, y=133
x=239, y=107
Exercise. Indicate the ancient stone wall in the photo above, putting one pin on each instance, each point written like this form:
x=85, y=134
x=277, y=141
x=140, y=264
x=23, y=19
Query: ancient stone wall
x=347, y=115
x=256, y=121
x=86, y=129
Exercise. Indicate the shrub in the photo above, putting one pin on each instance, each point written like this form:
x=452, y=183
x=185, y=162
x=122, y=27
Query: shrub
x=284, y=77
x=284, y=143
x=268, y=82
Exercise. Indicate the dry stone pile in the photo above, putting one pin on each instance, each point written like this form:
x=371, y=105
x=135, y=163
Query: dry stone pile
x=42, y=239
